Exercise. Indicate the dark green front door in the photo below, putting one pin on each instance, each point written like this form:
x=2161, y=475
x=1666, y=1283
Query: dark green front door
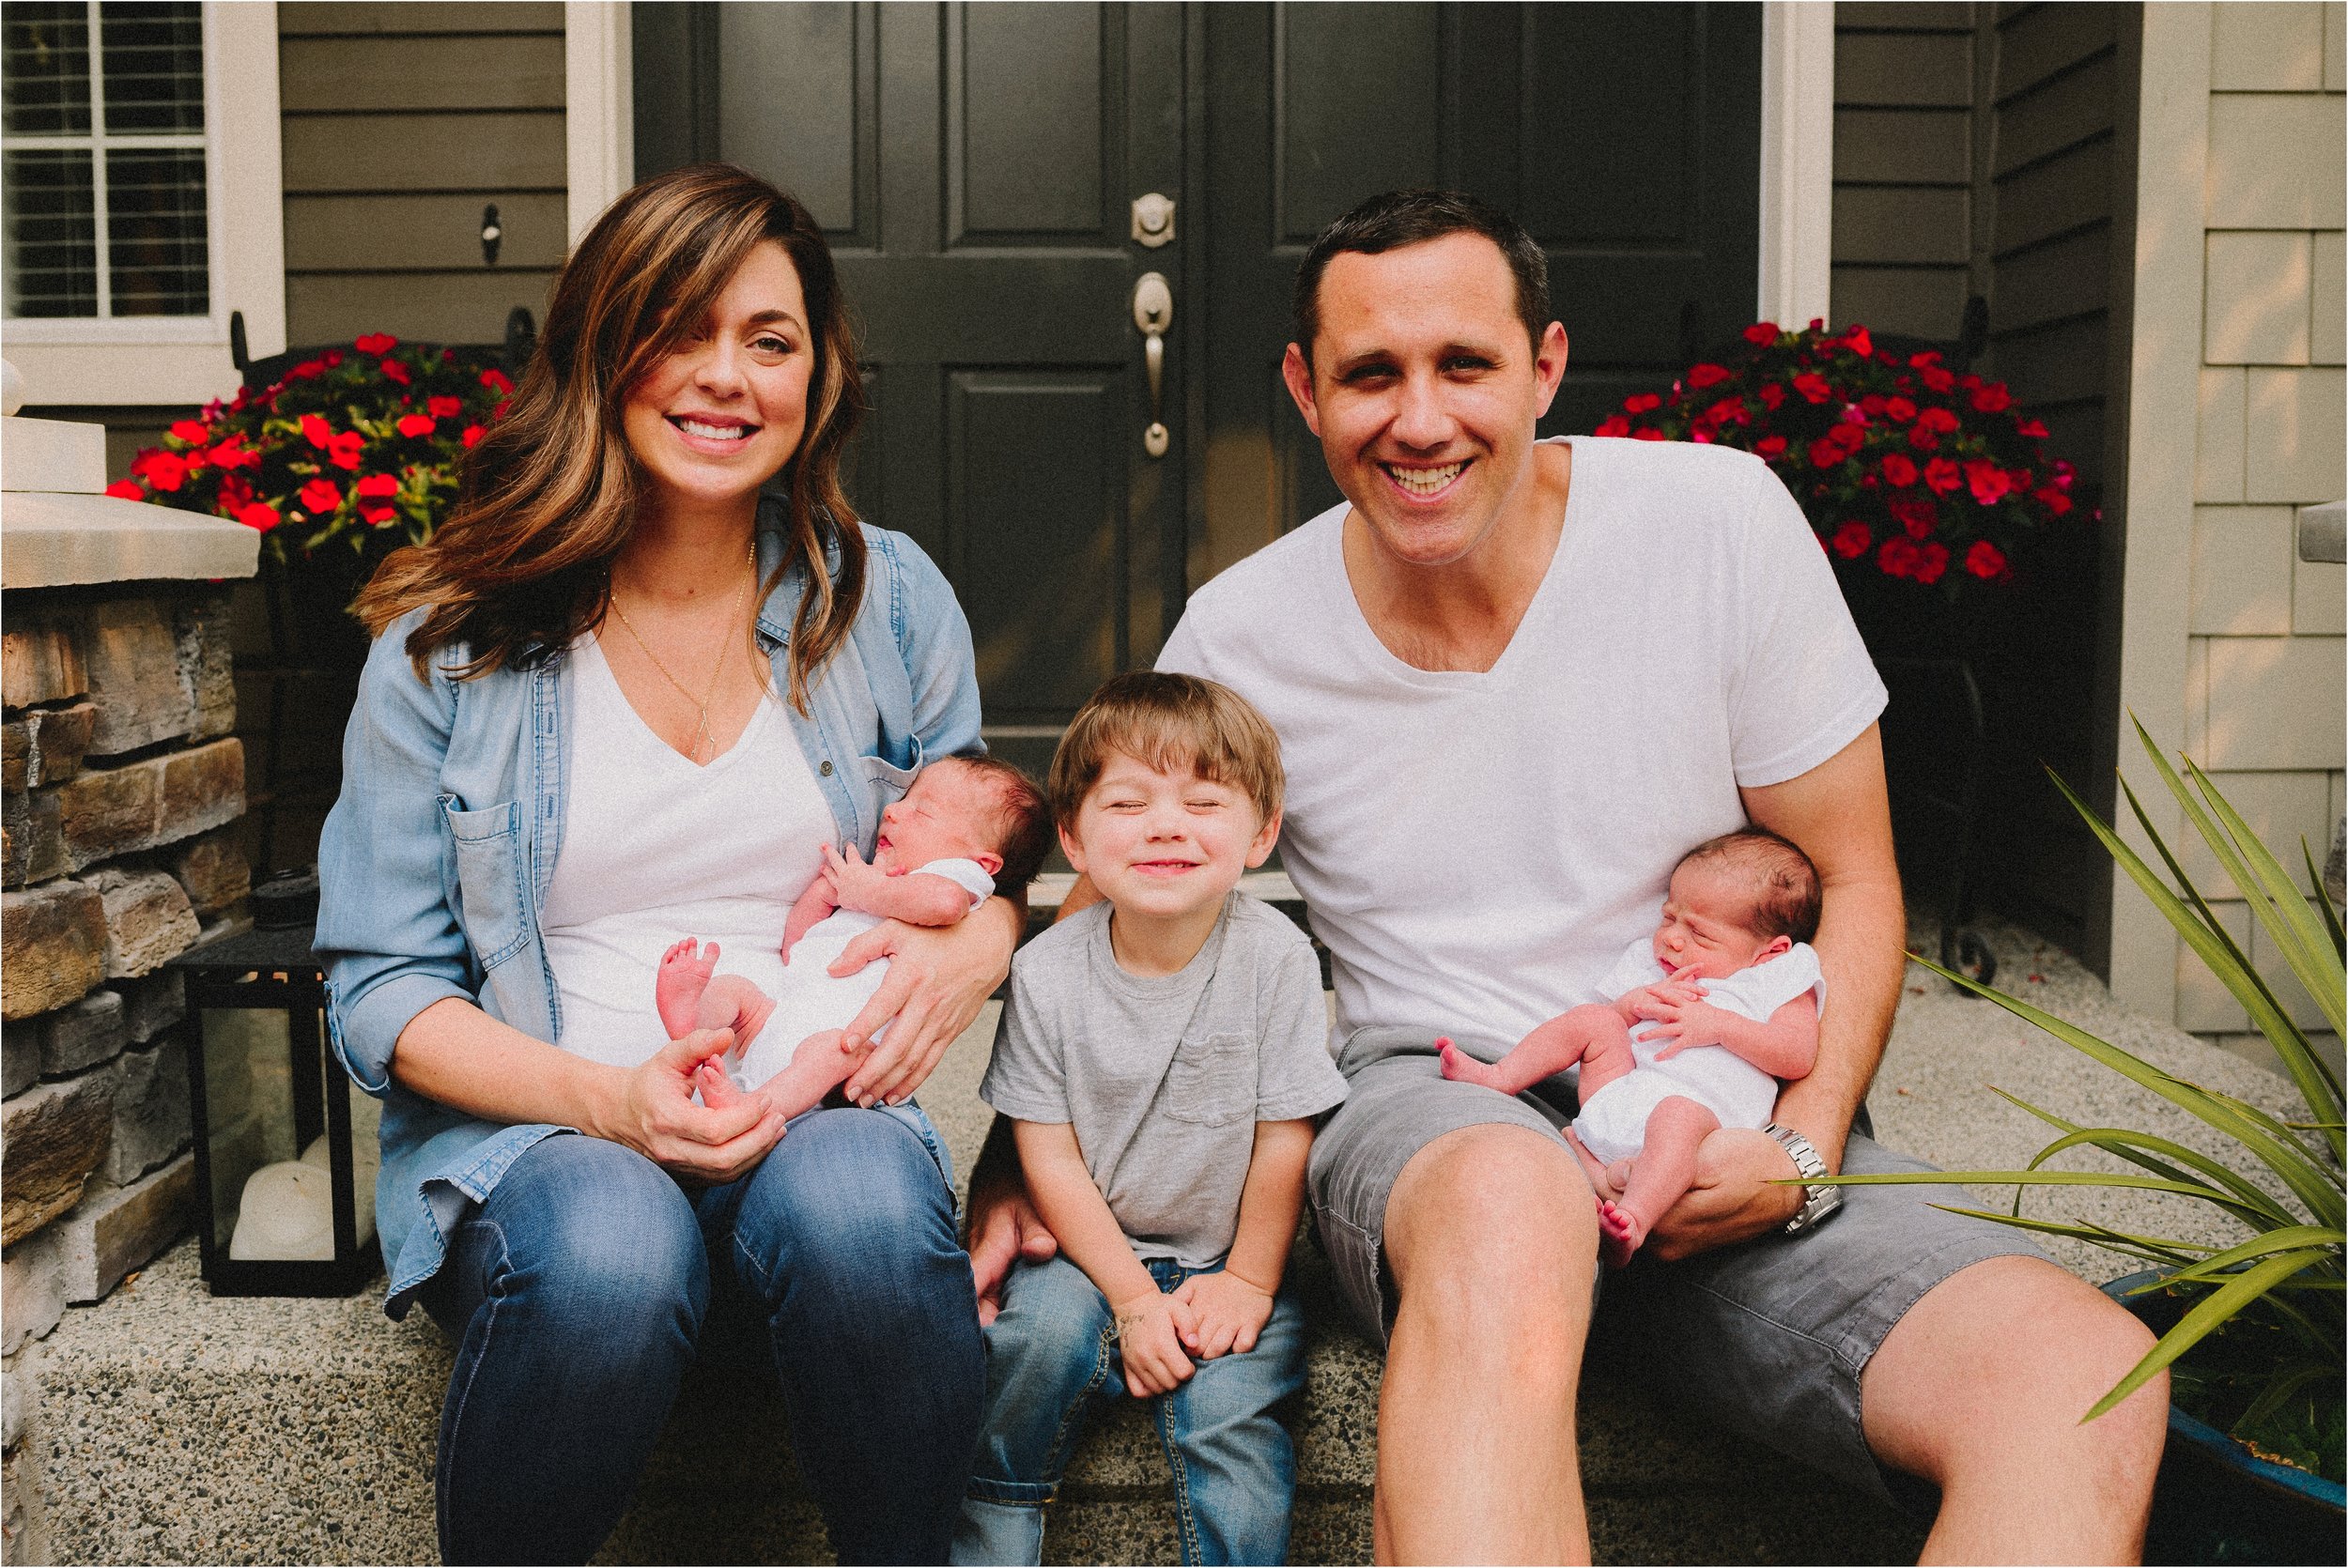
x=977, y=167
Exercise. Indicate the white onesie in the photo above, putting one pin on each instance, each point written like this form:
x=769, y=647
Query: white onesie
x=1613, y=1123
x=811, y=999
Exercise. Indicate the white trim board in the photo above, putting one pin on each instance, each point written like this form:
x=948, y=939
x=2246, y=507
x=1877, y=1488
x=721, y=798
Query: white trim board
x=1797, y=160
x=184, y=361
x=599, y=107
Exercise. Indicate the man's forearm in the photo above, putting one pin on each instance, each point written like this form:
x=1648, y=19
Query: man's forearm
x=1861, y=946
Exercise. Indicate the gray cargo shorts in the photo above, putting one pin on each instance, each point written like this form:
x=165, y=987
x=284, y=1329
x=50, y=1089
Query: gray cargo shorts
x=1768, y=1338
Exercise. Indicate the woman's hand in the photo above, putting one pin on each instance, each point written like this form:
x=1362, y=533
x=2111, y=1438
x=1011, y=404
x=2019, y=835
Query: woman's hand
x=938, y=980
x=720, y=1140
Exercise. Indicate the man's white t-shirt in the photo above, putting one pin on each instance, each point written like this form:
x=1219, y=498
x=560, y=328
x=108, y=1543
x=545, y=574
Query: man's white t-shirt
x=1477, y=847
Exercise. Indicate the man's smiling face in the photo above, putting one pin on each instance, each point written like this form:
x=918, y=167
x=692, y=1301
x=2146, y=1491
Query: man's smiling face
x=1424, y=388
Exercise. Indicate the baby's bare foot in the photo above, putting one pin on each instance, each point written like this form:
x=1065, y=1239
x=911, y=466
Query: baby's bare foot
x=1619, y=1234
x=1458, y=1066
x=678, y=983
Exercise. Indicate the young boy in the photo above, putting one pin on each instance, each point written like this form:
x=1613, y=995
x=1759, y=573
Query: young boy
x=1161, y=1055
x=1707, y=1015
x=967, y=826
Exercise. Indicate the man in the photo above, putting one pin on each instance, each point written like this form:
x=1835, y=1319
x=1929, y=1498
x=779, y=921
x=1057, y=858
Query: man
x=1514, y=681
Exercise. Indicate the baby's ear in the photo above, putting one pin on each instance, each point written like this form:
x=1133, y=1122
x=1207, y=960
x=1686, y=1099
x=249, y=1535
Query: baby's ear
x=1779, y=944
x=989, y=862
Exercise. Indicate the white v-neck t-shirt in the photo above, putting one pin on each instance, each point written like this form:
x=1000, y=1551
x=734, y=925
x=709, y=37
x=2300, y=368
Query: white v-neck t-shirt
x=656, y=848
x=1477, y=847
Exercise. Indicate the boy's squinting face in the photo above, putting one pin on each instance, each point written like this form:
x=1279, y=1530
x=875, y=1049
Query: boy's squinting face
x=1708, y=923
x=949, y=814
x=1164, y=844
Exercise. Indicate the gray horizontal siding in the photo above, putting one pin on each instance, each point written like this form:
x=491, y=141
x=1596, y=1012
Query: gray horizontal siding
x=1902, y=166
x=401, y=122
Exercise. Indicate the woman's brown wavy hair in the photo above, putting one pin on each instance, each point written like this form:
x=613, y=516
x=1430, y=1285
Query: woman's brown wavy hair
x=522, y=565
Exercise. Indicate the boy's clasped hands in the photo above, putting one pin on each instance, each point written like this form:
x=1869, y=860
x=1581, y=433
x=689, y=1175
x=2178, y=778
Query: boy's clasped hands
x=1160, y=1334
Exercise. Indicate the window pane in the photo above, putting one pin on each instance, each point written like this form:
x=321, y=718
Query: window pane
x=155, y=232
x=154, y=67
x=46, y=89
x=51, y=235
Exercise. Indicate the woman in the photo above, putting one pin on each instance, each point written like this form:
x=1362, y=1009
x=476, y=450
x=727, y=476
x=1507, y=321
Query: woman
x=620, y=699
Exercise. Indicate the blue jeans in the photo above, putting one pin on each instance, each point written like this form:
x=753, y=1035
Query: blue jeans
x=578, y=1292
x=1052, y=1356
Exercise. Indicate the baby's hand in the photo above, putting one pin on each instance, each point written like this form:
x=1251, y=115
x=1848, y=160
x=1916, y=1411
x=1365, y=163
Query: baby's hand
x=854, y=884
x=1696, y=1023
x=1150, y=1331
x=1230, y=1312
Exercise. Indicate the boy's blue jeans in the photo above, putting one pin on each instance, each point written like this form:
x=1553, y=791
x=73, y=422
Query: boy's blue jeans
x=1051, y=1357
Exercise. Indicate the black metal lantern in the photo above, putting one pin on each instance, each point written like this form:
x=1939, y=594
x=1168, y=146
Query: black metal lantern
x=287, y=1202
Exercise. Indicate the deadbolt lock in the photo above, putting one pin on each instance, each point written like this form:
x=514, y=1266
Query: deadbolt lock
x=1153, y=220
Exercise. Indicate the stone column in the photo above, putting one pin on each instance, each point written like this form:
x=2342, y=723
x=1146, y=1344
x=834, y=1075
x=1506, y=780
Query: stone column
x=116, y=852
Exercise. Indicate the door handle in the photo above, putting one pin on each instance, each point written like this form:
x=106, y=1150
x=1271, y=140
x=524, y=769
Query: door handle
x=1153, y=312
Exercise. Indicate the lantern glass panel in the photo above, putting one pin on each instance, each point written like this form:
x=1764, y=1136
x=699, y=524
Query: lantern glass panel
x=248, y=1096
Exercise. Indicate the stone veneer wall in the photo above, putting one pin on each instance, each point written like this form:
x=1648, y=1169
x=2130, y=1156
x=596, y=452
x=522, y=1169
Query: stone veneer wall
x=2263, y=674
x=122, y=782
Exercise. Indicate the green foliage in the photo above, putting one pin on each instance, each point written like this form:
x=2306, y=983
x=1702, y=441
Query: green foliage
x=2268, y=1307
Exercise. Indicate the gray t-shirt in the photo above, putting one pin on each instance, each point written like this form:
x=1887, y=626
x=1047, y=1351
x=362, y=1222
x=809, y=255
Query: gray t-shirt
x=1164, y=1078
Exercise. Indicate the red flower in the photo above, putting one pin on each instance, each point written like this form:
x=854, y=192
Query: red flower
x=230, y=454
x=1637, y=402
x=1771, y=447
x=1707, y=375
x=1921, y=437
x=1932, y=559
x=1702, y=435
x=414, y=425
x=1943, y=476
x=306, y=370
x=2030, y=429
x=1930, y=357
x=1898, y=470
x=127, y=489
x=1761, y=333
x=1860, y=343
x=444, y=407
x=1873, y=404
x=189, y=431
x=235, y=496
x=1772, y=396
x=394, y=371
x=1899, y=408
x=319, y=497
x=258, y=517
x=473, y=434
x=1848, y=436
x=343, y=451
x=1937, y=379
x=316, y=431
x=378, y=484
x=494, y=380
x=1986, y=559
x=1940, y=422
x=376, y=343
x=1898, y=556
x=1646, y=435
x=333, y=358
x=1918, y=516
x=1986, y=481
x=1813, y=386
x=2054, y=501
x=1614, y=425
x=499, y=412
x=162, y=471
x=1825, y=453
x=1852, y=539
x=1992, y=398
x=1728, y=411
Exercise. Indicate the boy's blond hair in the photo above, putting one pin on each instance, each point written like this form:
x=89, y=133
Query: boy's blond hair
x=1165, y=722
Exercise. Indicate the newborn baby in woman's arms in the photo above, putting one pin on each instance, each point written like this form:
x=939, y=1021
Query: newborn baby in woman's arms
x=967, y=826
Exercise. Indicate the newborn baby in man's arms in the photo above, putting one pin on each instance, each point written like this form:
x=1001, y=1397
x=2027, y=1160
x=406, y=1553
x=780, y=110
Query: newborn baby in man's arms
x=967, y=826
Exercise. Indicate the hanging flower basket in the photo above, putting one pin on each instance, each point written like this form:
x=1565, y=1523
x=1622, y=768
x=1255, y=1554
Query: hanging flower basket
x=356, y=451
x=1921, y=484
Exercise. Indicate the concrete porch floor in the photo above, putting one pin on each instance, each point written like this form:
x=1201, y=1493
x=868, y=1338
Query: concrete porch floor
x=171, y=1427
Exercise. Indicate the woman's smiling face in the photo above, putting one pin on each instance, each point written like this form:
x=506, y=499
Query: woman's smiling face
x=722, y=414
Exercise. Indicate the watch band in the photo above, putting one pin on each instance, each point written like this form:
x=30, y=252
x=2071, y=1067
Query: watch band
x=1819, y=1202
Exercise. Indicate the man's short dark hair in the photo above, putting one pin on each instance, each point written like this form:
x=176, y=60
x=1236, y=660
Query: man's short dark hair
x=1401, y=217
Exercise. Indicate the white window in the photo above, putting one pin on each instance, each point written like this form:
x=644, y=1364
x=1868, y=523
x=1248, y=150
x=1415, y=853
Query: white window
x=142, y=196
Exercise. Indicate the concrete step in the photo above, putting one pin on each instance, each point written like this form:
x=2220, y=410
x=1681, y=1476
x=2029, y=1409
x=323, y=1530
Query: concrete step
x=173, y=1427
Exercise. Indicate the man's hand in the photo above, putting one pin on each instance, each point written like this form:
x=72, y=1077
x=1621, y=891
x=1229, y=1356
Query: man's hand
x=1732, y=1198
x=1150, y=1331
x=1229, y=1312
x=1005, y=1229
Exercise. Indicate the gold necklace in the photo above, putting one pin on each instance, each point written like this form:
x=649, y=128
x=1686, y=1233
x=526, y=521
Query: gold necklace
x=700, y=734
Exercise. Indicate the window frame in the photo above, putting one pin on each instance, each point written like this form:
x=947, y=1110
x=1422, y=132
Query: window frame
x=162, y=359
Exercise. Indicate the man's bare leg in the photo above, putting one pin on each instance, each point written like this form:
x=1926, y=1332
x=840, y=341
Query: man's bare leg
x=1665, y=1168
x=1592, y=1034
x=1492, y=1235
x=1980, y=1389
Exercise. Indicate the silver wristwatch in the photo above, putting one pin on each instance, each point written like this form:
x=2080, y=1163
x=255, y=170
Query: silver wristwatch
x=1819, y=1202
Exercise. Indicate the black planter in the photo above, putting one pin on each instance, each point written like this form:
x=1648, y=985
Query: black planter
x=2215, y=1502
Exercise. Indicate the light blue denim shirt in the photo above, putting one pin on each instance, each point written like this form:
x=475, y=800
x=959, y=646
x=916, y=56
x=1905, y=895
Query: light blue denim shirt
x=435, y=861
